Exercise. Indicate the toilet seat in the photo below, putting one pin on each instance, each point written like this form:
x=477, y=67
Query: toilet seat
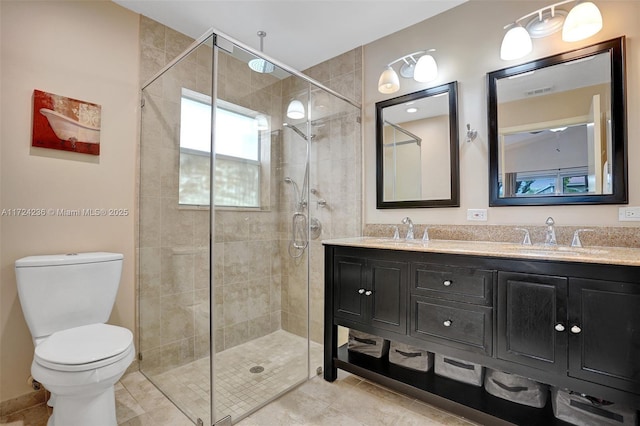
x=84, y=348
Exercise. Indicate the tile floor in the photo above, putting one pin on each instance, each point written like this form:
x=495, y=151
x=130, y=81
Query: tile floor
x=282, y=356
x=349, y=401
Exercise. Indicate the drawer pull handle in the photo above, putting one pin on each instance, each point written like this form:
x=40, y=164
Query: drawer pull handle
x=368, y=293
x=447, y=323
x=575, y=329
x=447, y=283
x=361, y=291
x=559, y=327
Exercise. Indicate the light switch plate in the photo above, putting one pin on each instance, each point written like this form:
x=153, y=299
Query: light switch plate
x=477, y=214
x=626, y=214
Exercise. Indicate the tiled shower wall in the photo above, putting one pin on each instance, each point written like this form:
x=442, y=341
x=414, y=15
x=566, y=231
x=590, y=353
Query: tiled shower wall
x=258, y=287
x=335, y=175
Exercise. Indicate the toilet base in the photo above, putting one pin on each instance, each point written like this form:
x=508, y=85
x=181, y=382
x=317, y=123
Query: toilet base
x=95, y=410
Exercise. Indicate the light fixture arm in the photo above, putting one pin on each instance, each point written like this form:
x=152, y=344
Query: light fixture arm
x=539, y=12
x=410, y=55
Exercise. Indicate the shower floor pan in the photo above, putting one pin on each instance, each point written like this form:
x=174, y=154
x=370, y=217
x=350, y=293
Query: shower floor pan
x=247, y=376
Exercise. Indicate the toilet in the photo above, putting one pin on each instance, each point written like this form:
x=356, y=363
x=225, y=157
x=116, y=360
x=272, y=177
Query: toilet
x=66, y=300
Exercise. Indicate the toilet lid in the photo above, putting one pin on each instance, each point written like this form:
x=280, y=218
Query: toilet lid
x=84, y=345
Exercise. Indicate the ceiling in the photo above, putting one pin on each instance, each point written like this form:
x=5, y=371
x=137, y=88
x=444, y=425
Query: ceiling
x=300, y=33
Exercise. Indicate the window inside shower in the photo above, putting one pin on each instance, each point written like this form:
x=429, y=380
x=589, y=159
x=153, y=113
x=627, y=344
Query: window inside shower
x=239, y=134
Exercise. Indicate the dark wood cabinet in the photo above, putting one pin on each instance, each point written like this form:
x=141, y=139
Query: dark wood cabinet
x=604, y=333
x=588, y=329
x=349, y=279
x=567, y=324
x=532, y=320
x=371, y=291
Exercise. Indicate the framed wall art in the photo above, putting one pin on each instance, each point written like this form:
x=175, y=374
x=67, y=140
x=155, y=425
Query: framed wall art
x=64, y=123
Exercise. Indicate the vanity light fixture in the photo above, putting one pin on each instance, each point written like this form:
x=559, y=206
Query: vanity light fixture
x=583, y=21
x=420, y=66
x=295, y=110
x=258, y=64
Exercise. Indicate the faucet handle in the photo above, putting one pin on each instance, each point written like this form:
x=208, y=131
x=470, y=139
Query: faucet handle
x=527, y=239
x=576, y=237
x=550, y=221
x=425, y=235
x=396, y=232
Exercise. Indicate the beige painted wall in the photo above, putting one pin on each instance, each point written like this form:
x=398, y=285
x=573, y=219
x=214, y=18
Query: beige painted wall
x=86, y=50
x=467, y=42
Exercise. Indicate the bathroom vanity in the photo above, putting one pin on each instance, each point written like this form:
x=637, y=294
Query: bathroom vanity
x=564, y=316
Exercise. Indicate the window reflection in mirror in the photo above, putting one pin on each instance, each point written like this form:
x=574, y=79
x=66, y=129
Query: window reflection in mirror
x=556, y=129
x=417, y=149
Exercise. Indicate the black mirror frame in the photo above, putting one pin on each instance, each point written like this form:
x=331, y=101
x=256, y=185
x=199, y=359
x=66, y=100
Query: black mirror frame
x=454, y=201
x=616, y=47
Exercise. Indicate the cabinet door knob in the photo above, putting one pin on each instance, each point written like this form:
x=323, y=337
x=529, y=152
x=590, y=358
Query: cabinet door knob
x=361, y=291
x=447, y=323
x=446, y=283
x=559, y=327
x=368, y=293
x=575, y=329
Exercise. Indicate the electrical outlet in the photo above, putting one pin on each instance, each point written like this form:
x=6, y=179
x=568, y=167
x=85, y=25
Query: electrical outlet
x=477, y=214
x=628, y=214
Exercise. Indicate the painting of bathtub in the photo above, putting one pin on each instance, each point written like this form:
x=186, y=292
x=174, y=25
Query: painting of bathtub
x=65, y=123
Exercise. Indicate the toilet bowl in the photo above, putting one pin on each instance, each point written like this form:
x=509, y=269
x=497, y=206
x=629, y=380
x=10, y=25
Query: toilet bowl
x=66, y=300
x=79, y=366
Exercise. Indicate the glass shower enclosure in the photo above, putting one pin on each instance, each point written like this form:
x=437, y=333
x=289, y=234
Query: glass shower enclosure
x=233, y=204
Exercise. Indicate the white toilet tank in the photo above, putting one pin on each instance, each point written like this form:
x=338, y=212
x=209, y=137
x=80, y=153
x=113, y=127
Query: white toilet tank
x=62, y=291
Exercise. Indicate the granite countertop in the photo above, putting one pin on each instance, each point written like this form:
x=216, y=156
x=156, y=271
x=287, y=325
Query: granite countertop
x=604, y=255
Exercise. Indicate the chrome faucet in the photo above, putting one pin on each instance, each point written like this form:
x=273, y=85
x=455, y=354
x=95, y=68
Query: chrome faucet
x=550, y=238
x=405, y=221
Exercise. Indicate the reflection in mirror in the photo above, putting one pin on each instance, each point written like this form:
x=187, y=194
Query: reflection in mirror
x=417, y=149
x=557, y=129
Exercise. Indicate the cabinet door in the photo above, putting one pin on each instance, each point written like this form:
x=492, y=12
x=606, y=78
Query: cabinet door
x=604, y=333
x=349, y=280
x=532, y=314
x=388, y=297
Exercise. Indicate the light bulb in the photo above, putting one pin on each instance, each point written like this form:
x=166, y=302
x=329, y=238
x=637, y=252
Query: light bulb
x=389, y=81
x=515, y=44
x=426, y=69
x=295, y=110
x=583, y=21
x=261, y=122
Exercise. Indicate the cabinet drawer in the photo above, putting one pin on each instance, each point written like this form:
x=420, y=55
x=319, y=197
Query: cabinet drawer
x=452, y=283
x=460, y=325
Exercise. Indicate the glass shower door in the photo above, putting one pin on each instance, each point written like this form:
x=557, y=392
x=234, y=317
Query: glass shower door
x=174, y=232
x=260, y=271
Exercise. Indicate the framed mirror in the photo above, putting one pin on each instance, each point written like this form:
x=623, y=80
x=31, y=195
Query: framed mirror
x=417, y=149
x=557, y=129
